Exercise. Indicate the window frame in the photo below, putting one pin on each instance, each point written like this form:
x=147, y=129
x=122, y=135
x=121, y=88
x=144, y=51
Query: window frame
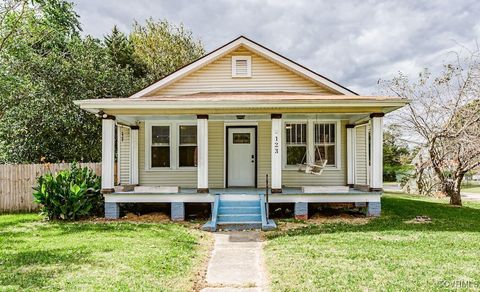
x=177, y=147
x=174, y=144
x=284, y=142
x=148, y=145
x=311, y=141
x=315, y=144
x=234, y=66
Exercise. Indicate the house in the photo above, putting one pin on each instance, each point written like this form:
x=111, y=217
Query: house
x=212, y=131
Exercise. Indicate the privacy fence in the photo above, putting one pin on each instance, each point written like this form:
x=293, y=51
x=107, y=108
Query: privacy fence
x=17, y=181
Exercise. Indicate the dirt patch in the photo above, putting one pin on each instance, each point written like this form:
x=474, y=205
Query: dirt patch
x=290, y=225
x=348, y=218
x=131, y=217
x=422, y=219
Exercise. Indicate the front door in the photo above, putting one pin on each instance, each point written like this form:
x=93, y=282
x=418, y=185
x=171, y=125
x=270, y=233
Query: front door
x=241, y=164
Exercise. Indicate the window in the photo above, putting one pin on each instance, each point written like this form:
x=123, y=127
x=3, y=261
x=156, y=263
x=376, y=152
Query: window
x=241, y=66
x=241, y=138
x=160, y=146
x=187, y=147
x=296, y=143
x=324, y=143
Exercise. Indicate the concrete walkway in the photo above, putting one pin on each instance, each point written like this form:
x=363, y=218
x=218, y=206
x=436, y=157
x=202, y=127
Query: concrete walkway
x=471, y=196
x=236, y=263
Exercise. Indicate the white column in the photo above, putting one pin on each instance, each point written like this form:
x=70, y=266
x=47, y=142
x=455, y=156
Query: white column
x=108, y=154
x=376, y=167
x=350, y=155
x=276, y=179
x=202, y=160
x=134, y=155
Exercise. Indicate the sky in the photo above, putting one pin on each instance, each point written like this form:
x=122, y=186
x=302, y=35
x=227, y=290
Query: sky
x=354, y=43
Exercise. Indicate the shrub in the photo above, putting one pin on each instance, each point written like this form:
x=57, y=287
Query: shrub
x=69, y=194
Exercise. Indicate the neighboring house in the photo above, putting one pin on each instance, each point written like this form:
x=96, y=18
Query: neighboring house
x=222, y=123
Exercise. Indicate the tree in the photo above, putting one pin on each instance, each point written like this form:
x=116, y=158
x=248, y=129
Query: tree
x=45, y=65
x=444, y=119
x=39, y=79
x=163, y=48
x=396, y=155
x=121, y=50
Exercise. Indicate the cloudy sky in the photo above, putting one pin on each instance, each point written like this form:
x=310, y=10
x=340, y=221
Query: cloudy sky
x=352, y=42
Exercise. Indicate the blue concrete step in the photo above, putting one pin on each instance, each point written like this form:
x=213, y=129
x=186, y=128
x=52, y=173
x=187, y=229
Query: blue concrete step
x=225, y=203
x=238, y=213
x=238, y=210
x=240, y=218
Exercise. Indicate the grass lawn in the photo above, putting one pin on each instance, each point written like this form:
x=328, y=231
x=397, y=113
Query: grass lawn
x=36, y=255
x=382, y=254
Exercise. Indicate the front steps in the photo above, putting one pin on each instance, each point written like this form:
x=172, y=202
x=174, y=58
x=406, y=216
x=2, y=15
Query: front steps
x=238, y=212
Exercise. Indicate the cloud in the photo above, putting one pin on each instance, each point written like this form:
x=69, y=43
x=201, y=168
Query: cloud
x=352, y=42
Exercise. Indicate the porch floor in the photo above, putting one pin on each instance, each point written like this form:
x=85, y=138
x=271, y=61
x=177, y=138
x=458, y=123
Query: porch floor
x=288, y=195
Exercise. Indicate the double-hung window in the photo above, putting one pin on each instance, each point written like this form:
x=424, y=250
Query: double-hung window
x=160, y=146
x=187, y=147
x=324, y=142
x=296, y=143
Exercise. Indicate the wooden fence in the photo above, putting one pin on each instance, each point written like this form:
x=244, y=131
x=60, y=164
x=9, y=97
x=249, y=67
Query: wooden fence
x=17, y=181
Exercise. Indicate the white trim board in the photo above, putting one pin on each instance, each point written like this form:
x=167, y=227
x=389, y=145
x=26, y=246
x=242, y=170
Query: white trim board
x=174, y=144
x=251, y=45
x=310, y=142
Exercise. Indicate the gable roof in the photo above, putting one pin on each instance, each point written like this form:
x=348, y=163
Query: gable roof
x=255, y=47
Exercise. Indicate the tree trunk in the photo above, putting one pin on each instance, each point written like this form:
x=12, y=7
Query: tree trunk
x=453, y=189
x=456, y=199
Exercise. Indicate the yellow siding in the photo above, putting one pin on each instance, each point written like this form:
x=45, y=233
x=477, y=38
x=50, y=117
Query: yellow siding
x=181, y=178
x=361, y=155
x=216, y=147
x=217, y=77
x=264, y=152
x=124, y=154
x=293, y=178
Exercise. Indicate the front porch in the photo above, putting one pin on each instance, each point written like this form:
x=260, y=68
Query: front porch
x=202, y=150
x=301, y=199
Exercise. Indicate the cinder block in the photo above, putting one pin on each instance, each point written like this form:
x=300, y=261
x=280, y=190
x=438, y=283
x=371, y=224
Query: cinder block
x=301, y=211
x=178, y=211
x=360, y=204
x=112, y=210
x=374, y=209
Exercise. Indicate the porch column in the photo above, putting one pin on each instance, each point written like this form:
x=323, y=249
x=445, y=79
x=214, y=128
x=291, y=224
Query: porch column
x=202, y=153
x=134, y=155
x=108, y=153
x=350, y=156
x=376, y=167
x=276, y=178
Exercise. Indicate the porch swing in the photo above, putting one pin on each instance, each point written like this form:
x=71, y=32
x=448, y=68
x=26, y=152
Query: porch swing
x=315, y=168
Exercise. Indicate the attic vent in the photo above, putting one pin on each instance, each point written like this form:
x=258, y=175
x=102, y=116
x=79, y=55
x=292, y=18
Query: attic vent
x=241, y=66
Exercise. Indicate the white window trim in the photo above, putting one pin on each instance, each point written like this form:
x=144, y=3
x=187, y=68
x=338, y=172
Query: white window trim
x=284, y=143
x=177, y=166
x=310, y=142
x=174, y=143
x=234, y=66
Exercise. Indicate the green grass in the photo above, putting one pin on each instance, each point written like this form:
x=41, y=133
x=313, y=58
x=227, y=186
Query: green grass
x=36, y=255
x=383, y=254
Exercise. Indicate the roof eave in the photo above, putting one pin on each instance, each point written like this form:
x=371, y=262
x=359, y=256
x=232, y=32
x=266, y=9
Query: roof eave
x=94, y=105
